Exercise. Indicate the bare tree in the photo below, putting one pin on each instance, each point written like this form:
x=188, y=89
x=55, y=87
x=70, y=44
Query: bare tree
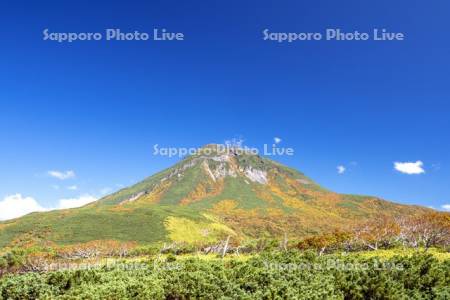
x=225, y=247
x=427, y=230
x=381, y=231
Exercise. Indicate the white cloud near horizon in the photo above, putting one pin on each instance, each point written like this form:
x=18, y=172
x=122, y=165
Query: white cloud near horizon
x=341, y=169
x=410, y=168
x=72, y=187
x=62, y=175
x=446, y=207
x=15, y=206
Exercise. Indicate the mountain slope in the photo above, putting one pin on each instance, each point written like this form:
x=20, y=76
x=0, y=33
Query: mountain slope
x=218, y=191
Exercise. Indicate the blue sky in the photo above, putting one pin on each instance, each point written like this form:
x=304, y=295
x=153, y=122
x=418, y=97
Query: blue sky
x=97, y=108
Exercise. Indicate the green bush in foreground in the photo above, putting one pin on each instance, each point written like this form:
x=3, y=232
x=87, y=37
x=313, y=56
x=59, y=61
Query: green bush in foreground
x=268, y=276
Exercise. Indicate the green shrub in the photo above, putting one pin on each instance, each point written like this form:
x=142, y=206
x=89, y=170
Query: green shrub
x=271, y=275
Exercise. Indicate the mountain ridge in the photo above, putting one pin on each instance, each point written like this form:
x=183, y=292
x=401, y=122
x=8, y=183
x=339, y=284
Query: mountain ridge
x=210, y=191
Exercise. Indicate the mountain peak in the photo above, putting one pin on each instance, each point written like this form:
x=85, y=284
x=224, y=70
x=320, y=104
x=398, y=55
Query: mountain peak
x=219, y=185
x=226, y=149
x=223, y=160
x=210, y=172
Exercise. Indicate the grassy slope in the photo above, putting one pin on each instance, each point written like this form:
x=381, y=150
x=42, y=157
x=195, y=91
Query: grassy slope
x=314, y=207
x=142, y=224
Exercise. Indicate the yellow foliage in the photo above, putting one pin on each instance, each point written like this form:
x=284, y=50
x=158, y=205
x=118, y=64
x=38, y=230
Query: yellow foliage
x=224, y=206
x=156, y=193
x=153, y=197
x=182, y=230
x=389, y=253
x=203, y=190
x=265, y=195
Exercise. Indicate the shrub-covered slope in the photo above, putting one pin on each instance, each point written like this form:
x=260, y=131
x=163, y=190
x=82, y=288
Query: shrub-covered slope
x=218, y=191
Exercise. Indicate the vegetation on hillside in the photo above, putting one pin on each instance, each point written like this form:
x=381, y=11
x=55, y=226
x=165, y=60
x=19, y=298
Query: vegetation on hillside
x=272, y=233
x=33, y=252
x=253, y=196
x=271, y=275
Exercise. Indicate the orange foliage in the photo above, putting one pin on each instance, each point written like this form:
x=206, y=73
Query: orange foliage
x=256, y=222
x=203, y=190
x=157, y=192
x=381, y=231
x=224, y=207
x=430, y=229
x=323, y=241
x=264, y=194
x=33, y=238
x=153, y=197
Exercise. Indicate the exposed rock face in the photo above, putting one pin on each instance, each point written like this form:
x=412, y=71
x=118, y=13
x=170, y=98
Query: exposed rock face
x=227, y=168
x=221, y=166
x=133, y=198
x=208, y=170
x=211, y=195
x=219, y=171
x=256, y=175
x=215, y=164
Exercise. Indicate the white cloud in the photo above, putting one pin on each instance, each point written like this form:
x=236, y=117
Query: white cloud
x=62, y=175
x=341, y=169
x=446, y=207
x=15, y=206
x=72, y=187
x=76, y=202
x=277, y=140
x=409, y=168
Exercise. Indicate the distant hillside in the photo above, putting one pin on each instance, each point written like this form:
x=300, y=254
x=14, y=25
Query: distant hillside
x=204, y=197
